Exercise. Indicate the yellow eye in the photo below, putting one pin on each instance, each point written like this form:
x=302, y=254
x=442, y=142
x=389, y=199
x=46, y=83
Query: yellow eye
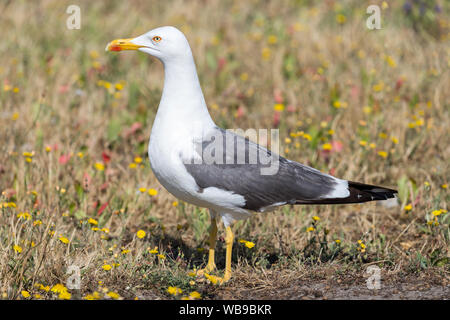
x=156, y=38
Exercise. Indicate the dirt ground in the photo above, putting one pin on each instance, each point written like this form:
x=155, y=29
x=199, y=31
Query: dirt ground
x=428, y=285
x=410, y=289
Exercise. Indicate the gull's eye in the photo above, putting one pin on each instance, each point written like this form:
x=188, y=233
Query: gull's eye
x=156, y=38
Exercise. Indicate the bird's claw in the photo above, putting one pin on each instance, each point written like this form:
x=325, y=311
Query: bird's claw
x=218, y=280
x=207, y=269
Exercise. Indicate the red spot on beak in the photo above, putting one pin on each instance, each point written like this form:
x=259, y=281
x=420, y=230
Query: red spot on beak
x=115, y=48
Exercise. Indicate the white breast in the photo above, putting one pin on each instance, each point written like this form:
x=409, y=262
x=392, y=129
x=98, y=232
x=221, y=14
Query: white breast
x=167, y=153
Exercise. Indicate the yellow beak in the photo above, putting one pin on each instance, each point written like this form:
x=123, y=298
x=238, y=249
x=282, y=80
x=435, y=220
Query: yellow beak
x=122, y=44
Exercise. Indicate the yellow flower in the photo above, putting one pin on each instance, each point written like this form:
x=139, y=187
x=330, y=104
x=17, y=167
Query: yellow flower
x=272, y=39
x=94, y=55
x=278, y=107
x=15, y=116
x=93, y=221
x=37, y=223
x=444, y=186
x=192, y=274
x=24, y=215
x=161, y=256
x=249, y=244
x=266, y=53
x=367, y=110
x=327, y=146
x=44, y=288
x=383, y=154
x=310, y=229
x=113, y=295
x=363, y=143
x=17, y=248
x=64, y=295
x=340, y=18
x=316, y=218
x=59, y=288
x=174, y=291
x=394, y=140
x=153, y=251
x=390, y=61
x=420, y=122
x=307, y=136
x=99, y=166
x=106, y=267
x=119, y=86
x=244, y=76
x=137, y=159
x=175, y=203
x=132, y=165
x=80, y=155
x=437, y=213
x=140, y=234
x=64, y=240
x=25, y=294
x=337, y=241
x=408, y=207
x=195, y=295
x=142, y=190
x=152, y=192
x=378, y=87
x=214, y=280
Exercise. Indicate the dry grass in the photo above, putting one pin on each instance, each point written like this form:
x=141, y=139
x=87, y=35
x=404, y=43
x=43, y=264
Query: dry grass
x=387, y=89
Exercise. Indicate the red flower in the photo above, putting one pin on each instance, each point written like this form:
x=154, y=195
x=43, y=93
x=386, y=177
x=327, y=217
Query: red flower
x=336, y=146
x=102, y=208
x=64, y=158
x=278, y=96
x=106, y=157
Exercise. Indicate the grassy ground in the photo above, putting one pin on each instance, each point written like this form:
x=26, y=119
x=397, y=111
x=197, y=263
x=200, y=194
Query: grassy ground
x=365, y=105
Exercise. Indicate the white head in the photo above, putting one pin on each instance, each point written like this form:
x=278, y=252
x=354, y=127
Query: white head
x=164, y=43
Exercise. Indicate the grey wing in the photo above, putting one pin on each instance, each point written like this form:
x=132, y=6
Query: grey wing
x=223, y=167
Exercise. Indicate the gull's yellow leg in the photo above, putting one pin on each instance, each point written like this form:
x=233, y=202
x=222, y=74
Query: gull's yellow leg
x=212, y=247
x=229, y=238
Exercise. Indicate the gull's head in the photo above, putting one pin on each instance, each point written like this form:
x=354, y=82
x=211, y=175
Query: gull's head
x=164, y=43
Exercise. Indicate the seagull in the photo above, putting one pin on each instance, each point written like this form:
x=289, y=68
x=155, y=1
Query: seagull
x=213, y=168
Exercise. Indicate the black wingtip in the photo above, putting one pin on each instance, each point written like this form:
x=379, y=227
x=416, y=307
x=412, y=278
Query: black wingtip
x=359, y=192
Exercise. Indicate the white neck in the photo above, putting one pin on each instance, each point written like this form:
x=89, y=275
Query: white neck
x=182, y=101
